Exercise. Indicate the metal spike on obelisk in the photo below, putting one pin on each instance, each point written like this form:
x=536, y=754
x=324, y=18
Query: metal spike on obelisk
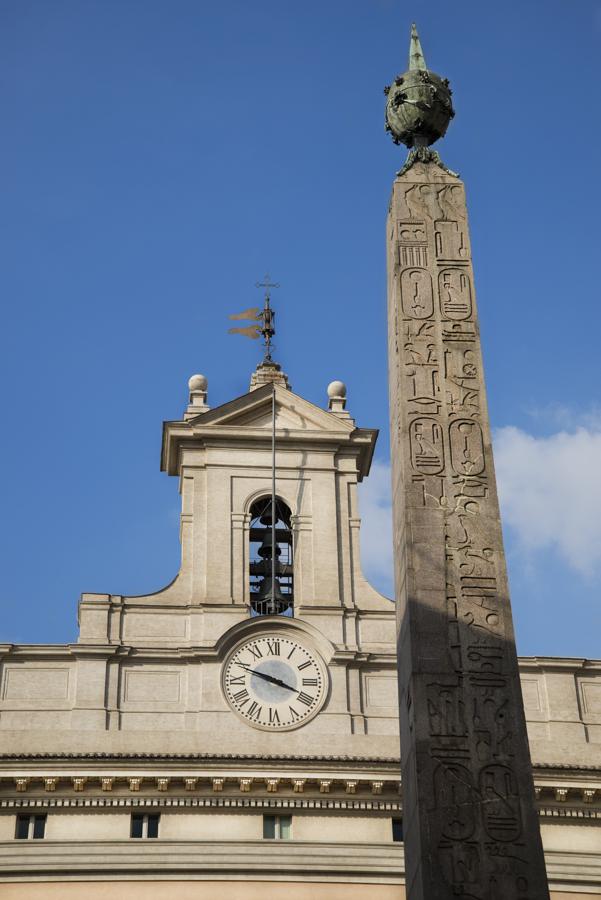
x=417, y=61
x=419, y=107
x=470, y=821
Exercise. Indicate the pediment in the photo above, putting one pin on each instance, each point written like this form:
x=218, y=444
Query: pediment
x=293, y=413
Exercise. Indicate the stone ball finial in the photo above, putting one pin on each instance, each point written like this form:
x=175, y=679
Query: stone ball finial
x=419, y=107
x=198, y=383
x=336, y=389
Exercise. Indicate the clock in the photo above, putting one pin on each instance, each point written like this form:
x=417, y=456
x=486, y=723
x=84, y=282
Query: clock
x=274, y=682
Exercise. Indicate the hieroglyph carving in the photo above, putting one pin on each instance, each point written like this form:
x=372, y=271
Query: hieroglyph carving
x=427, y=451
x=476, y=748
x=434, y=202
x=462, y=377
x=450, y=240
x=467, y=448
x=413, y=244
x=455, y=294
x=416, y=291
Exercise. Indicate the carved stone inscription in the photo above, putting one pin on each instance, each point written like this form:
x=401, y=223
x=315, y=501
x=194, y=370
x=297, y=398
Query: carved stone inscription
x=450, y=241
x=463, y=387
x=455, y=294
x=427, y=453
x=467, y=448
x=413, y=244
x=468, y=731
x=416, y=291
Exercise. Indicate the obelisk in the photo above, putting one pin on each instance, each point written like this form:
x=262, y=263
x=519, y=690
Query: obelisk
x=470, y=823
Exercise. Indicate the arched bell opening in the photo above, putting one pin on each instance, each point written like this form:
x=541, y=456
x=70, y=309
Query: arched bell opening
x=269, y=595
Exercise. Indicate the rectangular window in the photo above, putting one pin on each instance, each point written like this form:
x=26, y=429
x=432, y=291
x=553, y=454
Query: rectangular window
x=152, y=826
x=29, y=827
x=278, y=828
x=397, y=829
x=145, y=825
x=22, y=831
x=137, y=824
x=39, y=826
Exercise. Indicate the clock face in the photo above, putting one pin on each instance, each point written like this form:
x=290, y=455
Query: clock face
x=275, y=682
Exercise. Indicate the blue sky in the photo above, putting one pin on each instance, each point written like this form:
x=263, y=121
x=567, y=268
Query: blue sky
x=158, y=157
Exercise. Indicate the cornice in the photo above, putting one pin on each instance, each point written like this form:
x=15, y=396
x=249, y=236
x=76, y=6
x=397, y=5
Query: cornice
x=583, y=814
x=391, y=805
x=568, y=767
x=246, y=861
x=569, y=812
x=202, y=775
x=198, y=653
x=163, y=860
x=211, y=652
x=210, y=757
x=230, y=423
x=365, y=658
x=263, y=757
x=550, y=663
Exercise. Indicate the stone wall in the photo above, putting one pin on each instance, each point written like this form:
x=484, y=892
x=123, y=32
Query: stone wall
x=60, y=689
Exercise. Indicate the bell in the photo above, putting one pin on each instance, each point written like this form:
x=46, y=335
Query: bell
x=264, y=604
x=264, y=592
x=266, y=516
x=265, y=550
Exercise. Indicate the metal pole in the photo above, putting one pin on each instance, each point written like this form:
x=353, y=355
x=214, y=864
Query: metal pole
x=273, y=512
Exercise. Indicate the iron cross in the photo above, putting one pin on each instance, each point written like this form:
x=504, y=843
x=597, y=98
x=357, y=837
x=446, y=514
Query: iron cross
x=266, y=283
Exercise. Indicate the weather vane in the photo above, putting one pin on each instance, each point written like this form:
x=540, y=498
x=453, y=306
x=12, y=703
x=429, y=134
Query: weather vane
x=265, y=316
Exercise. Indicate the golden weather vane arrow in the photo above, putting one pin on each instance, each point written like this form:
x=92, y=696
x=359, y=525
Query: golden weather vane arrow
x=265, y=316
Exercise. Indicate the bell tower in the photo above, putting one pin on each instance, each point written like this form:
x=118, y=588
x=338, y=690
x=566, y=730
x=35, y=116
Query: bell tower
x=223, y=458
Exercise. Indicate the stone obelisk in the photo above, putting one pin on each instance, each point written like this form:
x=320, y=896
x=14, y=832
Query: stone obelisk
x=470, y=823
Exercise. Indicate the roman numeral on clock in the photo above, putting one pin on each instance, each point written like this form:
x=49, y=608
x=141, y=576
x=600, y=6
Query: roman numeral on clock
x=304, y=665
x=273, y=648
x=242, y=696
x=274, y=718
x=254, y=710
x=255, y=652
x=238, y=679
x=310, y=682
x=305, y=698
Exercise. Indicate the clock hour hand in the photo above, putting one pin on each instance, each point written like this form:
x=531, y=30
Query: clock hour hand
x=273, y=680
x=265, y=677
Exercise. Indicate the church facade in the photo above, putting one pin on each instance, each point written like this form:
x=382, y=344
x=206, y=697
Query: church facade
x=200, y=740
x=236, y=734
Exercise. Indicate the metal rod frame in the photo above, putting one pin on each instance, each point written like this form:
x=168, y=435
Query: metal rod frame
x=273, y=513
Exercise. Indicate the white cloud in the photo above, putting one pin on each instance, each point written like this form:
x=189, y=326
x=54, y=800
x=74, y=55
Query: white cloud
x=376, y=527
x=550, y=495
x=550, y=492
x=566, y=418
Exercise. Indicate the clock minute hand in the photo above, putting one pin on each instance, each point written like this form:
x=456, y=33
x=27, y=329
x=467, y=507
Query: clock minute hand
x=270, y=678
x=273, y=680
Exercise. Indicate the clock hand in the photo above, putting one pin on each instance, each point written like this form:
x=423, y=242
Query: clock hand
x=270, y=678
x=265, y=677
